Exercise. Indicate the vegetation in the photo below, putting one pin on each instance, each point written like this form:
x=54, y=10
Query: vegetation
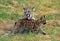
x=11, y=10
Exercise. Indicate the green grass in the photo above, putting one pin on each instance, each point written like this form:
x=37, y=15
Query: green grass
x=53, y=34
x=53, y=17
x=10, y=15
x=5, y=1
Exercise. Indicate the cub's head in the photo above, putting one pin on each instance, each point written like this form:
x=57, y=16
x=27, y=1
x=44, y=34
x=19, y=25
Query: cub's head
x=43, y=19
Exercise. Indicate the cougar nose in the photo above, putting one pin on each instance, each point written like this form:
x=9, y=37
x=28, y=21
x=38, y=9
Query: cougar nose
x=28, y=15
x=44, y=23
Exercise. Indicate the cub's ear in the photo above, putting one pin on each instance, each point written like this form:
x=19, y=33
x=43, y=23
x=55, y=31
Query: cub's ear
x=33, y=9
x=43, y=15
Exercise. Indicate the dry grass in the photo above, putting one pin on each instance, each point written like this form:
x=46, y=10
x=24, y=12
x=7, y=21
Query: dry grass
x=11, y=10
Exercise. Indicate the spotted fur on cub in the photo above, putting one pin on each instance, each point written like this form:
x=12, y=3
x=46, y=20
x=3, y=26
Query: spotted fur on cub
x=25, y=25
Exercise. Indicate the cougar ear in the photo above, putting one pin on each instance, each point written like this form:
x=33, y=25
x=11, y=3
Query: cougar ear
x=33, y=9
x=24, y=8
x=42, y=17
